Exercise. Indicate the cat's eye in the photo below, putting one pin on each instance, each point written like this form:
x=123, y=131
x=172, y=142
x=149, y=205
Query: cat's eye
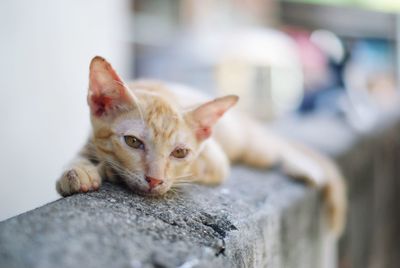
x=134, y=142
x=180, y=152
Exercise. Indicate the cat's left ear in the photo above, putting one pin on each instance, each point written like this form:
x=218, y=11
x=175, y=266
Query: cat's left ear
x=206, y=115
x=107, y=91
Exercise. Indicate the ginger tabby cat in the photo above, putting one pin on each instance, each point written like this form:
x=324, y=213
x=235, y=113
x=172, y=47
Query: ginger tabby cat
x=152, y=135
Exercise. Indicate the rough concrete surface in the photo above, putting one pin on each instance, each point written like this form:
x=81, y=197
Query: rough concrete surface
x=255, y=219
x=195, y=227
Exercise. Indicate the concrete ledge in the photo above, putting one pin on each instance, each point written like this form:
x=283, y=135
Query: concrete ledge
x=256, y=219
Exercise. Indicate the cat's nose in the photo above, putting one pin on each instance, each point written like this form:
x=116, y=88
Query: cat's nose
x=153, y=182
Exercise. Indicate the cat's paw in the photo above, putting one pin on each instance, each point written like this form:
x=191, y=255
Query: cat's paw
x=78, y=179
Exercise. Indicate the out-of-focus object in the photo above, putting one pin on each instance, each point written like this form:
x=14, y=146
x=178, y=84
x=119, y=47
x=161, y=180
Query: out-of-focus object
x=329, y=43
x=314, y=62
x=209, y=15
x=370, y=79
x=322, y=56
x=219, y=44
x=344, y=21
x=262, y=67
x=370, y=67
x=385, y=5
x=183, y=43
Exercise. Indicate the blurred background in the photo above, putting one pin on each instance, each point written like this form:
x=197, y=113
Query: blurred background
x=284, y=58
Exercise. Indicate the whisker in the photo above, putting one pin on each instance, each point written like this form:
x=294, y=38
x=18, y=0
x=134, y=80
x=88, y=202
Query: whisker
x=184, y=181
x=119, y=170
x=173, y=190
x=183, y=176
x=176, y=189
x=179, y=182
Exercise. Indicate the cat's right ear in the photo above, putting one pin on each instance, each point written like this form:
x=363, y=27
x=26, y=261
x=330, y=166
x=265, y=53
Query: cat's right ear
x=107, y=92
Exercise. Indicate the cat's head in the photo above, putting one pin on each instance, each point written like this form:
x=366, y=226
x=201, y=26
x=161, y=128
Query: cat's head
x=145, y=138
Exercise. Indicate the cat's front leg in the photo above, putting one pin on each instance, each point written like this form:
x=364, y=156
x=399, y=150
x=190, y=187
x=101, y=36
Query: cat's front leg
x=212, y=166
x=81, y=176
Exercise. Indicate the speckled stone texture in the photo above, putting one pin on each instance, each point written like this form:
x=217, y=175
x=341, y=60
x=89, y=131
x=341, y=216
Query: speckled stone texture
x=255, y=219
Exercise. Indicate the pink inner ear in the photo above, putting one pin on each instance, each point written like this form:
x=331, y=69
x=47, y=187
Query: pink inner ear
x=207, y=115
x=203, y=133
x=106, y=89
x=100, y=104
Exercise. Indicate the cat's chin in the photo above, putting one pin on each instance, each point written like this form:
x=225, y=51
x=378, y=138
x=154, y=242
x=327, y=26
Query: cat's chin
x=147, y=192
x=150, y=193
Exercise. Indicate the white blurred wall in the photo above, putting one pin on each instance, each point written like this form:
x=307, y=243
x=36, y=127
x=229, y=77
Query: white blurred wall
x=45, y=49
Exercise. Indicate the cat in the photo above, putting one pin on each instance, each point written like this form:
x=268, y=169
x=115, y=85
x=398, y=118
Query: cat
x=154, y=135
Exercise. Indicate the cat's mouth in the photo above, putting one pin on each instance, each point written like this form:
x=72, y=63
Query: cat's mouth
x=149, y=192
x=143, y=188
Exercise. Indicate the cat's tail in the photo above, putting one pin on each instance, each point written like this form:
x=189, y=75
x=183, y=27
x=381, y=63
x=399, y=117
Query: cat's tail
x=264, y=149
x=335, y=193
x=322, y=173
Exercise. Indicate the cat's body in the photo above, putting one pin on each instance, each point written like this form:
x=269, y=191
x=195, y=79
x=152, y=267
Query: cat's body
x=154, y=136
